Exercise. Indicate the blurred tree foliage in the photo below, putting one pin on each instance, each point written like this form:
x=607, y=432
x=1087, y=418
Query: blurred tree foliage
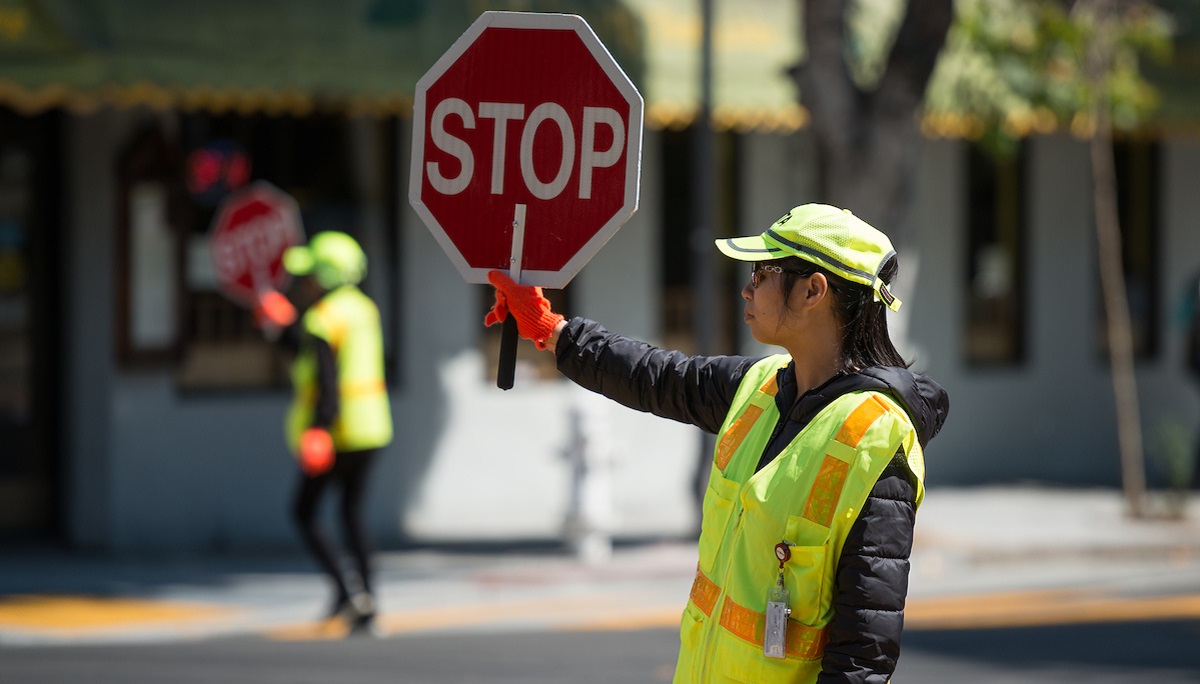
x=1015, y=67
x=1004, y=69
x=1019, y=66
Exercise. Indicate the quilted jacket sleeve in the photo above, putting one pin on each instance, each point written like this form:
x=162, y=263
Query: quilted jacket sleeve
x=872, y=583
x=690, y=389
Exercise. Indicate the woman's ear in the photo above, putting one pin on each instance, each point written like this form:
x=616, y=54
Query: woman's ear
x=815, y=289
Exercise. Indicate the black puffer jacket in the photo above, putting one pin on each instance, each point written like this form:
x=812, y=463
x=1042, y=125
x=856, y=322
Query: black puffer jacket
x=872, y=574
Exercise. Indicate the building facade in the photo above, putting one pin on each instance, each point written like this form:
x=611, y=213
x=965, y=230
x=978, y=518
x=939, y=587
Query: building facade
x=142, y=411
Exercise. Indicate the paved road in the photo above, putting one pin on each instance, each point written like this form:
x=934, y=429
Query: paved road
x=1008, y=585
x=1160, y=652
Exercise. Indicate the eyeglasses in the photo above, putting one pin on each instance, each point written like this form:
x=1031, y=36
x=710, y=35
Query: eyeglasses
x=757, y=270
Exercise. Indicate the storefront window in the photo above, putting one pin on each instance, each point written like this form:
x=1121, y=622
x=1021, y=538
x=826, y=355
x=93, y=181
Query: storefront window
x=148, y=249
x=30, y=335
x=1137, y=211
x=342, y=174
x=995, y=315
x=678, y=271
x=341, y=178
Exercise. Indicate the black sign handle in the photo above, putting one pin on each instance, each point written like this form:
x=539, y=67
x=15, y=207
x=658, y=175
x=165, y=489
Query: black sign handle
x=508, y=334
x=508, y=353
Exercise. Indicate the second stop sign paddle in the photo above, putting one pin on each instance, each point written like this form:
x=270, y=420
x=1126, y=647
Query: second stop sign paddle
x=526, y=151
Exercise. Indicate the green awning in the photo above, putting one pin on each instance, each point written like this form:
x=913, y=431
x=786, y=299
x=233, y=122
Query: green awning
x=754, y=44
x=365, y=56
x=295, y=56
x=273, y=56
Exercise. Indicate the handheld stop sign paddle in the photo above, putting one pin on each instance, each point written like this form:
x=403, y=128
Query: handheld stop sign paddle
x=250, y=231
x=526, y=152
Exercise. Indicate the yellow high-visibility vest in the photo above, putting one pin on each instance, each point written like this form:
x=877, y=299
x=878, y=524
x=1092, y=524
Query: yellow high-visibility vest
x=349, y=321
x=809, y=497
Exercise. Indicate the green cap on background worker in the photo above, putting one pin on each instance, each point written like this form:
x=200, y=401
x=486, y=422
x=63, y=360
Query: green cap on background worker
x=332, y=258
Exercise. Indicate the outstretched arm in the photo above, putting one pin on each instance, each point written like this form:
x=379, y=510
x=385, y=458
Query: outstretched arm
x=690, y=389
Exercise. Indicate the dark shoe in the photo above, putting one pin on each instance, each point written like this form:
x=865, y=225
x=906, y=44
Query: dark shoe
x=361, y=615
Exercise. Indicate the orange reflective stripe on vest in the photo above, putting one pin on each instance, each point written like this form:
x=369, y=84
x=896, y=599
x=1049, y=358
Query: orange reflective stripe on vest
x=364, y=388
x=705, y=592
x=802, y=641
x=825, y=492
x=859, y=421
x=733, y=437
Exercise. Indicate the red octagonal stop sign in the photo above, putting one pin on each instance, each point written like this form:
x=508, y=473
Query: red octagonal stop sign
x=526, y=115
x=249, y=234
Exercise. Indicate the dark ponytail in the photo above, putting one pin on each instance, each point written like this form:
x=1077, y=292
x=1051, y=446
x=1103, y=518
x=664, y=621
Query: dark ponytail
x=865, y=338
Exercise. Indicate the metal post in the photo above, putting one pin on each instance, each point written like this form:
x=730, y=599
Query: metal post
x=703, y=251
x=702, y=195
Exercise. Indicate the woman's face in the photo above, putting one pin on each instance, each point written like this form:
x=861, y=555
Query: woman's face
x=765, y=311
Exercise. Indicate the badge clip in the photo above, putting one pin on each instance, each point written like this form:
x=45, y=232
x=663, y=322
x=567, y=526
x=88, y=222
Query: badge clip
x=778, y=609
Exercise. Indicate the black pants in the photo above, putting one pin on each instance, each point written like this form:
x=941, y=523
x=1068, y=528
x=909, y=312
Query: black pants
x=350, y=473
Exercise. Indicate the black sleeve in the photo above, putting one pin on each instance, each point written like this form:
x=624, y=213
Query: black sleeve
x=327, y=407
x=872, y=583
x=690, y=389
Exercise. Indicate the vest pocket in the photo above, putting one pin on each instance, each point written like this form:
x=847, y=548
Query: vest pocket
x=718, y=507
x=806, y=573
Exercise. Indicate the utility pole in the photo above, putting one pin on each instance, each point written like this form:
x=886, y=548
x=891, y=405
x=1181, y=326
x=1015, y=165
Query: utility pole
x=703, y=274
x=702, y=248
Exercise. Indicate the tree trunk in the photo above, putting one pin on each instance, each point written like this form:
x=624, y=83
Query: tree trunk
x=866, y=140
x=1112, y=274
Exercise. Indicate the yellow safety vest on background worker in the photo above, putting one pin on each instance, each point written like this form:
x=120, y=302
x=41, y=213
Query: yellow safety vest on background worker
x=349, y=321
x=809, y=496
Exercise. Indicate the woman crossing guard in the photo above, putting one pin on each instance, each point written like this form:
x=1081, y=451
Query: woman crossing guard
x=808, y=517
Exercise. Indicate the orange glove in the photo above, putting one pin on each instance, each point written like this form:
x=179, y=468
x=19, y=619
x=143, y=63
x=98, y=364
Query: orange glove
x=273, y=309
x=316, y=451
x=535, y=320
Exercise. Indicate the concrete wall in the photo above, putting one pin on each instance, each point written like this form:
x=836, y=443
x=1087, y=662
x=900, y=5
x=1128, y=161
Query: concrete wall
x=1168, y=394
x=88, y=327
x=1052, y=417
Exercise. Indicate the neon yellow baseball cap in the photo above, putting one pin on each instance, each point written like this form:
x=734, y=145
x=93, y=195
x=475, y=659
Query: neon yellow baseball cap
x=832, y=238
x=332, y=257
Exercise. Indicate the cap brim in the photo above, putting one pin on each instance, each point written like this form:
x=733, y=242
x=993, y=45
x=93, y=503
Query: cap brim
x=298, y=260
x=752, y=248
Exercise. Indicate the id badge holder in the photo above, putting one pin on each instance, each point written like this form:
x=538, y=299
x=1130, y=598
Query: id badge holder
x=775, y=634
x=775, y=630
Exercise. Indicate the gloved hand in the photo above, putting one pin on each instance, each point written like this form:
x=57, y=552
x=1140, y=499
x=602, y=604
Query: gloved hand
x=535, y=320
x=273, y=310
x=316, y=451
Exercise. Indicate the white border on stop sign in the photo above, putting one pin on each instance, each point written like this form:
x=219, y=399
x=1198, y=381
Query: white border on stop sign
x=633, y=142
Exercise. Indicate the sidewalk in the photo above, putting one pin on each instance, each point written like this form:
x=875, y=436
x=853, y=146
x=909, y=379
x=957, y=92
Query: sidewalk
x=970, y=542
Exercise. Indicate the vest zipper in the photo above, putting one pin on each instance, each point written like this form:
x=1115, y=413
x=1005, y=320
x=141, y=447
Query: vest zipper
x=780, y=421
